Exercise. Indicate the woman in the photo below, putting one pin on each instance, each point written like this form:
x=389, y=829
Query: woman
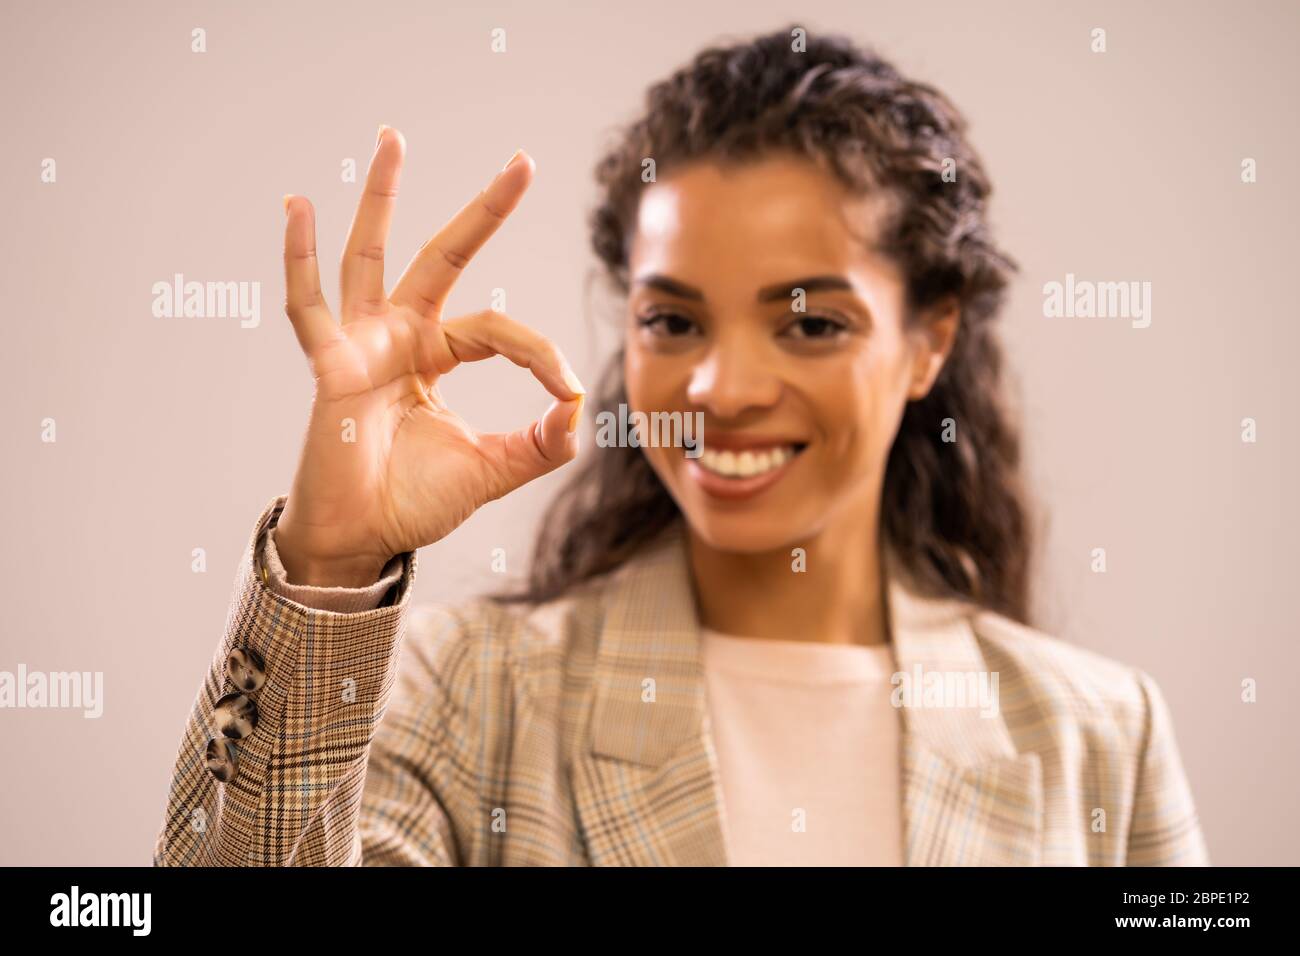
x=803, y=641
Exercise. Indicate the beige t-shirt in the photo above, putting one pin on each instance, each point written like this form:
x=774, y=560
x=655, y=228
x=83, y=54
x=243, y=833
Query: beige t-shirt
x=807, y=740
x=808, y=751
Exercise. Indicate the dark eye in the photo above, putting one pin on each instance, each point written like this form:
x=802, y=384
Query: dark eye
x=815, y=327
x=666, y=323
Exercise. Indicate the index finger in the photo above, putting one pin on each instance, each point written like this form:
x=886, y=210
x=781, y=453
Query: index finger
x=471, y=338
x=428, y=279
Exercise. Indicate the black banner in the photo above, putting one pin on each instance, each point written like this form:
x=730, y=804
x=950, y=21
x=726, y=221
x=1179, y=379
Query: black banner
x=236, y=906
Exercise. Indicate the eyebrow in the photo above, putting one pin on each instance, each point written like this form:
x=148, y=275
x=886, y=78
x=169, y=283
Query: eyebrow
x=770, y=293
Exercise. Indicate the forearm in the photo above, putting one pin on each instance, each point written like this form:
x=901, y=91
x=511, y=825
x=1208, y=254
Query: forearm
x=297, y=778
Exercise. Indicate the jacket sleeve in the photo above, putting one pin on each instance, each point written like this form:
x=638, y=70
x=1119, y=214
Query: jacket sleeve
x=296, y=793
x=341, y=599
x=1164, y=829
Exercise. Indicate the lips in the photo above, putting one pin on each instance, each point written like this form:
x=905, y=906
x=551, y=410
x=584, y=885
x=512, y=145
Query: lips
x=734, y=468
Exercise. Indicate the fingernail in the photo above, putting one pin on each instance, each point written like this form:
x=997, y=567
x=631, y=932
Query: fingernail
x=577, y=412
x=512, y=160
x=380, y=138
x=287, y=197
x=572, y=380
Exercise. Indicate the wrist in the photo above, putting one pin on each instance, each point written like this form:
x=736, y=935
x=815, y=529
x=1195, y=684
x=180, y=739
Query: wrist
x=302, y=567
x=325, y=574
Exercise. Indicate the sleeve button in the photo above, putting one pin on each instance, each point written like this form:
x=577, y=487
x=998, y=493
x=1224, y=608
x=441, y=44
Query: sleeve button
x=235, y=716
x=246, y=669
x=221, y=760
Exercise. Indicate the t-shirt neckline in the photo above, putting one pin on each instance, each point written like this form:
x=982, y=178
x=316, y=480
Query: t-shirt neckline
x=798, y=661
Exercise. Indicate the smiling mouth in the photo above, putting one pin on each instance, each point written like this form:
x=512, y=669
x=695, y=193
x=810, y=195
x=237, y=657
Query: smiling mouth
x=750, y=463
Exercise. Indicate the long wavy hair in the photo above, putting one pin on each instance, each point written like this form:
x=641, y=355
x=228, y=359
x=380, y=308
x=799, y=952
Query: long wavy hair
x=953, y=512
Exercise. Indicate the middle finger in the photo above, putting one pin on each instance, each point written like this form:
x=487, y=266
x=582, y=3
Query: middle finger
x=428, y=279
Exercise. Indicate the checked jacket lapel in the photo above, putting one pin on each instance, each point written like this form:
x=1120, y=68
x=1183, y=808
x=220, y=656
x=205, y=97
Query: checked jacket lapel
x=969, y=797
x=645, y=776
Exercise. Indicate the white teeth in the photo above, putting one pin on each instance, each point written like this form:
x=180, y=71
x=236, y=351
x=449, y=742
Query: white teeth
x=747, y=463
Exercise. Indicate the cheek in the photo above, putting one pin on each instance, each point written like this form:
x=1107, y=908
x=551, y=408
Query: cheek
x=856, y=403
x=651, y=385
x=654, y=381
x=636, y=373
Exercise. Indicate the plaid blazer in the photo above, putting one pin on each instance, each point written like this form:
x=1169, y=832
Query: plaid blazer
x=488, y=735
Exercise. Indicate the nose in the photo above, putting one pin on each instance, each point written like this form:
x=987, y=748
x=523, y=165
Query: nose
x=731, y=377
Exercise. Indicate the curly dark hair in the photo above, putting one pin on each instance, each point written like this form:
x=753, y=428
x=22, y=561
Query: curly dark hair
x=953, y=511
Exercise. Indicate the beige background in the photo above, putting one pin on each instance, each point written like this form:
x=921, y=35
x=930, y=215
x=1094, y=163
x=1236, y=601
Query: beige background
x=174, y=433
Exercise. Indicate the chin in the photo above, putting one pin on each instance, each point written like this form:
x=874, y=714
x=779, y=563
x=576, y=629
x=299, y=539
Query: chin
x=744, y=534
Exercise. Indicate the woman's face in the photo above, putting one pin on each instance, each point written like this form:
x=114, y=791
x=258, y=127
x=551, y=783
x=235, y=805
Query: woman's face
x=799, y=407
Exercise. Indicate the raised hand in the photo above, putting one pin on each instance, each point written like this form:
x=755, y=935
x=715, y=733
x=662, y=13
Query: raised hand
x=386, y=466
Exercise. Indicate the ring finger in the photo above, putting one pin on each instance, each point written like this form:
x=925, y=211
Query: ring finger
x=362, y=271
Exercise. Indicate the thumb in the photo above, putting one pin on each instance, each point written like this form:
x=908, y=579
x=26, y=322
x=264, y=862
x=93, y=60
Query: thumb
x=556, y=433
x=541, y=447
